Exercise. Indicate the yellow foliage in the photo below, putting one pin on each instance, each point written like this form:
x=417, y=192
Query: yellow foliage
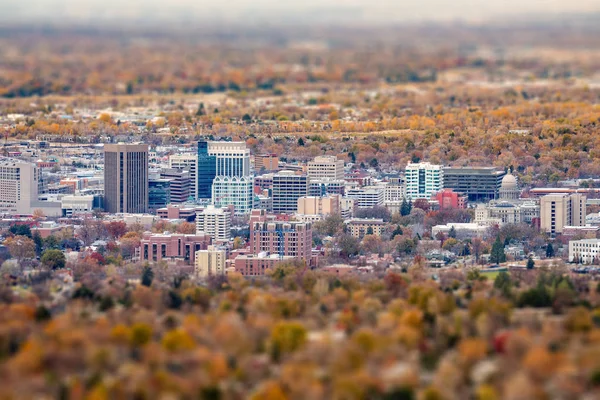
x=269, y=390
x=178, y=340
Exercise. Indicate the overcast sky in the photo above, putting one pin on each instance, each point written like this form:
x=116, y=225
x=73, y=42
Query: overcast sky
x=234, y=10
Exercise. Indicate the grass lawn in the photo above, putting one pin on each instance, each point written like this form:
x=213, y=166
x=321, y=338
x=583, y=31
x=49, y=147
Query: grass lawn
x=491, y=275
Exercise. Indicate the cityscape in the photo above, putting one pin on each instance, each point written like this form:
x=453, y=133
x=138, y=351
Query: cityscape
x=339, y=208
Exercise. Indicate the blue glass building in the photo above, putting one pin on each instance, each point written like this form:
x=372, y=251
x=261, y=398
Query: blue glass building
x=206, y=172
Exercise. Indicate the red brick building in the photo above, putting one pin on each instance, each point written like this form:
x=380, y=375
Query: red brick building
x=251, y=265
x=172, y=247
x=285, y=238
x=447, y=198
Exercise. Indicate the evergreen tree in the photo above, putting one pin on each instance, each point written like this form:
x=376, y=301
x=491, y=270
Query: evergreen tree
x=397, y=231
x=549, y=251
x=497, y=255
x=452, y=233
x=405, y=207
x=300, y=142
x=201, y=110
x=147, y=276
x=369, y=231
x=39, y=243
x=530, y=263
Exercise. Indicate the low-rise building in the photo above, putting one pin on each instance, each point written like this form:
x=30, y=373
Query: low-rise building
x=584, y=251
x=463, y=230
x=172, y=247
x=359, y=227
x=257, y=265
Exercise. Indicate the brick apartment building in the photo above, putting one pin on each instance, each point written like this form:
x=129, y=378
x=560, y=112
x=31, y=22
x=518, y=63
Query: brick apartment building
x=285, y=238
x=172, y=247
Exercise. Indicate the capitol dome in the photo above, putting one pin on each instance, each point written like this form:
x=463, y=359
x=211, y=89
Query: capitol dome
x=509, y=181
x=509, y=189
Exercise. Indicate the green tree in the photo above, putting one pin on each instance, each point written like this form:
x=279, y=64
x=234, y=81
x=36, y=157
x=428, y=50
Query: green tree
x=349, y=245
x=452, y=232
x=503, y=283
x=369, y=230
x=405, y=207
x=300, y=142
x=39, y=243
x=549, y=251
x=147, y=276
x=201, y=111
x=20, y=230
x=51, y=242
x=397, y=231
x=497, y=255
x=54, y=259
x=530, y=263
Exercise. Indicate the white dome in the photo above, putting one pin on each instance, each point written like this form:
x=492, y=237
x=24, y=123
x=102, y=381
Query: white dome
x=509, y=181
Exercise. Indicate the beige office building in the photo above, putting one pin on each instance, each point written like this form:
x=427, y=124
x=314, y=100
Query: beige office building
x=210, y=262
x=126, y=178
x=326, y=167
x=560, y=210
x=313, y=205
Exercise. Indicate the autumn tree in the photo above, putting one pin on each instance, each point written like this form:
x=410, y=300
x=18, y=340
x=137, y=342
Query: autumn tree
x=20, y=247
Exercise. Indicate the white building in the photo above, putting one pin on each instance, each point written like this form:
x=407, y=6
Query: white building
x=215, y=222
x=367, y=197
x=19, y=182
x=187, y=162
x=393, y=193
x=422, y=180
x=235, y=191
x=210, y=262
x=233, y=158
x=76, y=204
x=326, y=167
x=584, y=251
x=463, y=230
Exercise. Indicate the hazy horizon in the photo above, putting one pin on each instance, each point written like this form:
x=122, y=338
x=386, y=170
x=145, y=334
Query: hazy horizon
x=248, y=11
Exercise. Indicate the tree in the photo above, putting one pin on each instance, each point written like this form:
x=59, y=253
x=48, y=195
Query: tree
x=397, y=231
x=452, y=232
x=369, y=230
x=38, y=214
x=39, y=243
x=405, y=208
x=300, y=142
x=349, y=245
x=20, y=230
x=246, y=118
x=147, y=276
x=51, y=242
x=54, y=259
x=497, y=255
x=549, y=251
x=530, y=263
x=20, y=247
x=116, y=229
x=186, y=228
x=330, y=226
x=477, y=246
x=201, y=111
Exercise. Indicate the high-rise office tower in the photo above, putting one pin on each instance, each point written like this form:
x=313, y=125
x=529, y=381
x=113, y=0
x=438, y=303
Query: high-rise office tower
x=422, y=180
x=180, y=184
x=187, y=162
x=233, y=191
x=214, y=222
x=287, y=189
x=126, y=178
x=206, y=171
x=233, y=158
x=18, y=186
x=560, y=210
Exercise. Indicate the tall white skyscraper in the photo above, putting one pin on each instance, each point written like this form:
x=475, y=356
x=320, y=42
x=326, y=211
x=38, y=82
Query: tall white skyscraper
x=215, y=222
x=235, y=191
x=422, y=180
x=19, y=189
x=233, y=158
